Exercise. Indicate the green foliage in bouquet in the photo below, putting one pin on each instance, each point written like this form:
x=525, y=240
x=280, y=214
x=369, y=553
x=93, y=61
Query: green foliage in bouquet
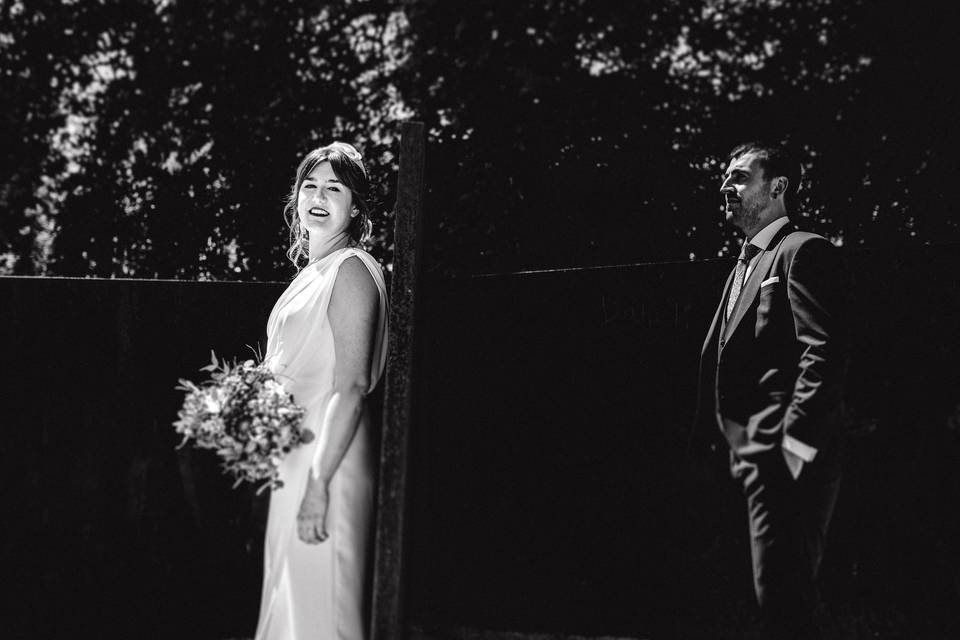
x=244, y=414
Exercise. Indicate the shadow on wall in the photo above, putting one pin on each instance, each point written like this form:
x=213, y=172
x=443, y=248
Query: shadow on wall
x=551, y=491
x=115, y=533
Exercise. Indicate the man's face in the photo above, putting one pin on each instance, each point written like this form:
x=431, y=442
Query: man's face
x=745, y=191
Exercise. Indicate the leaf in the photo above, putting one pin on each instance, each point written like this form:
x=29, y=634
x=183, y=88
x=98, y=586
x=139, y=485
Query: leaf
x=258, y=356
x=186, y=385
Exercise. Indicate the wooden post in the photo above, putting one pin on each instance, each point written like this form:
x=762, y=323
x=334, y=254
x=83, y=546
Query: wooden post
x=388, y=579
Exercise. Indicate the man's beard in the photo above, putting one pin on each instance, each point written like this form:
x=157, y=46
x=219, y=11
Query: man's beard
x=748, y=215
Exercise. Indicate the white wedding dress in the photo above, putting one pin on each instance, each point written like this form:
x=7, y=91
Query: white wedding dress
x=318, y=591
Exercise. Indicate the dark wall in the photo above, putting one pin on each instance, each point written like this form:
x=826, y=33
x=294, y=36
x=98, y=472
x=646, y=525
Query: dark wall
x=552, y=486
x=108, y=530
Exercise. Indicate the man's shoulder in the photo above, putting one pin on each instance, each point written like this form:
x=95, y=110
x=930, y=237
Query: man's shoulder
x=797, y=236
x=796, y=239
x=808, y=248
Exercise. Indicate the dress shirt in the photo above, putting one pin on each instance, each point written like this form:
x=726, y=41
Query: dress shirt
x=762, y=239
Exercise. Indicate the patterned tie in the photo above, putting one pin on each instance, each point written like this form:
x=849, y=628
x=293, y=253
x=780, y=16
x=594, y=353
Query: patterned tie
x=749, y=251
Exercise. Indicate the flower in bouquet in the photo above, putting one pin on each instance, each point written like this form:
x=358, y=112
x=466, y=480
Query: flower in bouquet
x=244, y=414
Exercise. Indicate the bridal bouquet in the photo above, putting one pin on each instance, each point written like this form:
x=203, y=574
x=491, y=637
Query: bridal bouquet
x=245, y=415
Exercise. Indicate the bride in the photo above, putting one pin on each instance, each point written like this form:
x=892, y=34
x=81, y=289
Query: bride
x=326, y=340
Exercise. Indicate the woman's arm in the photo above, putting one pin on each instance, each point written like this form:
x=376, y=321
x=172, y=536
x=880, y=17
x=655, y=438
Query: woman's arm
x=353, y=320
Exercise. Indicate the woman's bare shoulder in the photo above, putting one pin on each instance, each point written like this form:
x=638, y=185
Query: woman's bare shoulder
x=354, y=281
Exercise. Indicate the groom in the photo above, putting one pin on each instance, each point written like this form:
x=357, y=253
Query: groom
x=771, y=373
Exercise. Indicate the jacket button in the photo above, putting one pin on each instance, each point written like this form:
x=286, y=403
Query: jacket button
x=722, y=342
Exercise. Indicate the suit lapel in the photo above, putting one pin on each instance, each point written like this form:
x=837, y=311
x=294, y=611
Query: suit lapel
x=718, y=321
x=752, y=285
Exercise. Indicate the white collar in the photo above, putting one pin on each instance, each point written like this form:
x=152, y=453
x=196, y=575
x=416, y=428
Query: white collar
x=765, y=235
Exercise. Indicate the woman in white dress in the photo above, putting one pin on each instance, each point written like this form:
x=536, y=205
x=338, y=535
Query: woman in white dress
x=326, y=340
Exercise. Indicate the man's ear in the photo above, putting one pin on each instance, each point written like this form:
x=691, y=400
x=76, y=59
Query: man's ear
x=779, y=186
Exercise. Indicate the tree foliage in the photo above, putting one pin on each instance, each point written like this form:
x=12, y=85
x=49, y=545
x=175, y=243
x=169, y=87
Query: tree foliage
x=172, y=129
x=157, y=138
x=586, y=132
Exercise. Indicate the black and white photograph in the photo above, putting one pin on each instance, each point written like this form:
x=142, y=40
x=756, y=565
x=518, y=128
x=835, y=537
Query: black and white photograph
x=480, y=319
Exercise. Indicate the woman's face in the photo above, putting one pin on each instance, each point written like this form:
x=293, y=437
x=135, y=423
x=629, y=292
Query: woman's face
x=324, y=204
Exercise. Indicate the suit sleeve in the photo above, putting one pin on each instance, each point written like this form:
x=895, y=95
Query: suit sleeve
x=815, y=291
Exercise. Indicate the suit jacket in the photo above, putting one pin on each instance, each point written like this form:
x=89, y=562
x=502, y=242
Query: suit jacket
x=776, y=367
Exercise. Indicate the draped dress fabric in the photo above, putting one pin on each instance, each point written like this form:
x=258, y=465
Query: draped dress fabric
x=317, y=591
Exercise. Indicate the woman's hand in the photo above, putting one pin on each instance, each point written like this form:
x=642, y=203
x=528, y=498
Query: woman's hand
x=312, y=517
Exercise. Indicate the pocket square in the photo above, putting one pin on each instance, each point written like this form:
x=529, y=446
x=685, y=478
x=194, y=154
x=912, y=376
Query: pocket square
x=773, y=280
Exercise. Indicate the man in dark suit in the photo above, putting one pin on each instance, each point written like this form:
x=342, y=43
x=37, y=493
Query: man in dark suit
x=771, y=375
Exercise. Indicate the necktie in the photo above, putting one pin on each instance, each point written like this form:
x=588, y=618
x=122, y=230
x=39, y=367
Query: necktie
x=749, y=251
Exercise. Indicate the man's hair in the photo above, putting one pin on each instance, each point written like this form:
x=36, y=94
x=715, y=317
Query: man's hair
x=775, y=160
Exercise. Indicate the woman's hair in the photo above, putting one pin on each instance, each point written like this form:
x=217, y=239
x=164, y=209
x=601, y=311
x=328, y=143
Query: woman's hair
x=347, y=165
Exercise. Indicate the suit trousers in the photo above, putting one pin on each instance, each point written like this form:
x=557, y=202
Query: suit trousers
x=788, y=520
